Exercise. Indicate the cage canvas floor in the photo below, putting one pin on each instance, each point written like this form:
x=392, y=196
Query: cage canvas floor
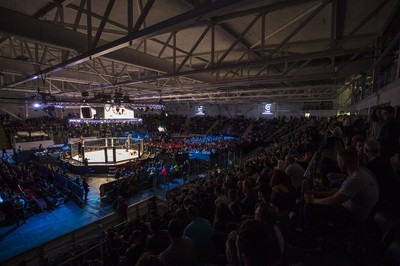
x=99, y=156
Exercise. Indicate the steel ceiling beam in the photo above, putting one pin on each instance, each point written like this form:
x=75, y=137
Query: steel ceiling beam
x=178, y=22
x=237, y=40
x=201, y=37
x=252, y=91
x=261, y=9
x=268, y=61
x=286, y=25
x=21, y=68
x=49, y=7
x=299, y=27
x=368, y=17
x=388, y=48
x=103, y=22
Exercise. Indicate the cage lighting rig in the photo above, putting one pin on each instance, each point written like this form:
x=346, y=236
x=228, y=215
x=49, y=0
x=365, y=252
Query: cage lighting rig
x=107, y=121
x=133, y=106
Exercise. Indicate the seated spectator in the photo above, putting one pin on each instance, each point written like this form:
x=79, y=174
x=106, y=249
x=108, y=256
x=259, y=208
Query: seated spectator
x=149, y=259
x=257, y=244
x=158, y=241
x=135, y=250
x=362, y=157
x=264, y=193
x=235, y=206
x=381, y=168
x=250, y=197
x=200, y=231
x=281, y=185
x=113, y=245
x=330, y=172
x=266, y=213
x=231, y=250
x=223, y=216
x=295, y=171
x=335, y=134
x=181, y=251
x=353, y=202
x=220, y=197
x=283, y=219
x=307, y=156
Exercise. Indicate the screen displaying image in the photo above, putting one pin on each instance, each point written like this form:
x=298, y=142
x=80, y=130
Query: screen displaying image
x=200, y=110
x=87, y=112
x=117, y=112
x=268, y=109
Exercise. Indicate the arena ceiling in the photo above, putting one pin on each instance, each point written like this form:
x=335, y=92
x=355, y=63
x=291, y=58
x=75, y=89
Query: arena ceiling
x=222, y=51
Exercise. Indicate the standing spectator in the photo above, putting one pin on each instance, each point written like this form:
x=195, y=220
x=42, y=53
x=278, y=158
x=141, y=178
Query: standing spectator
x=19, y=207
x=81, y=145
x=19, y=154
x=122, y=208
x=375, y=121
x=388, y=136
x=85, y=187
x=348, y=129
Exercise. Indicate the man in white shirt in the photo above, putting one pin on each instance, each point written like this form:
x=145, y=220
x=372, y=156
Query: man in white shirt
x=295, y=171
x=354, y=200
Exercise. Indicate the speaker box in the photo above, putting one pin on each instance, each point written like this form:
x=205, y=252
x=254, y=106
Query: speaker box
x=86, y=112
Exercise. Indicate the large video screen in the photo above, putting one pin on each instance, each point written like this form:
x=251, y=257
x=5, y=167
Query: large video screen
x=87, y=112
x=200, y=110
x=268, y=109
x=117, y=112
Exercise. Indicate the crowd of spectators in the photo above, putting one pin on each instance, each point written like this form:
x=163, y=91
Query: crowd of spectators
x=231, y=217
x=223, y=219
x=24, y=190
x=200, y=124
x=234, y=127
x=249, y=204
x=30, y=129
